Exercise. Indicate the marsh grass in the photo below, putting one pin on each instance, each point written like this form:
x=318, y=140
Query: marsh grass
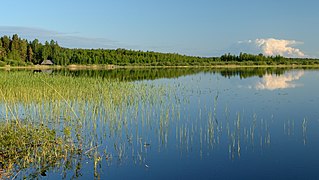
x=56, y=123
x=25, y=145
x=48, y=119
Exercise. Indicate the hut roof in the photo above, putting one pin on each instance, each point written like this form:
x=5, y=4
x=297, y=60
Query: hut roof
x=47, y=62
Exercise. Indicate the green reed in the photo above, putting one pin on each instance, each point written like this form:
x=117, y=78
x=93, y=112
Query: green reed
x=63, y=120
x=24, y=145
x=59, y=116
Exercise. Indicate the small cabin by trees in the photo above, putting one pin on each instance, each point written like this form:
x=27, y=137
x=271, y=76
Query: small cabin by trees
x=47, y=62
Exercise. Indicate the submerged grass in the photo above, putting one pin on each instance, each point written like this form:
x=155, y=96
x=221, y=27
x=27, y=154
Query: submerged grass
x=47, y=119
x=57, y=122
x=25, y=145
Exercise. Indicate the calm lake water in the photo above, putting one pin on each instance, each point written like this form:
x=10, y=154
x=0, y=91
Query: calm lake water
x=209, y=124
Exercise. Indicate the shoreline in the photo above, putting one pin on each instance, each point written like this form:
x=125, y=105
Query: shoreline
x=110, y=67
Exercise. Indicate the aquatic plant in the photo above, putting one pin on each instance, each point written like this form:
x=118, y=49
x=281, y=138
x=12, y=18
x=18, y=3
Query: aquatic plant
x=65, y=121
x=34, y=146
x=60, y=114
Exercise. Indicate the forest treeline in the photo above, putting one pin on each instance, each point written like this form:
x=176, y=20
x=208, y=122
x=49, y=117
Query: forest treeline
x=16, y=51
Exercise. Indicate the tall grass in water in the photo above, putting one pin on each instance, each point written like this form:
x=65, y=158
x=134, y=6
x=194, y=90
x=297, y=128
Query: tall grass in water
x=24, y=145
x=76, y=118
x=47, y=119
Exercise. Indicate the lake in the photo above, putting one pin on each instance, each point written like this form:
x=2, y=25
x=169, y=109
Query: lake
x=169, y=123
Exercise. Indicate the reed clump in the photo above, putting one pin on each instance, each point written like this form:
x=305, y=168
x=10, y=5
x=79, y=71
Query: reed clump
x=47, y=119
x=26, y=145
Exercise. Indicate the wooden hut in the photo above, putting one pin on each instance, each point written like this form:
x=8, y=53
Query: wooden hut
x=47, y=62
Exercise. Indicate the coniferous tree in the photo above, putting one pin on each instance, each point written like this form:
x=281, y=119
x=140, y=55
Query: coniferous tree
x=14, y=44
x=30, y=54
x=2, y=51
x=46, y=51
x=22, y=48
x=6, y=44
x=17, y=51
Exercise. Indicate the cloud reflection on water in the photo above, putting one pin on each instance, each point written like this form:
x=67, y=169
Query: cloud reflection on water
x=273, y=82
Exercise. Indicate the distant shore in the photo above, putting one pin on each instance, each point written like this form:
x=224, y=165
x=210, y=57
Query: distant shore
x=109, y=67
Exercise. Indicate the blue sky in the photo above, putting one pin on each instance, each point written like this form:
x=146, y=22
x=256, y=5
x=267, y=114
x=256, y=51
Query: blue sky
x=192, y=27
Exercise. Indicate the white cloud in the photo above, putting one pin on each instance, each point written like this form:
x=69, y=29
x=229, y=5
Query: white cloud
x=272, y=47
x=269, y=47
x=272, y=82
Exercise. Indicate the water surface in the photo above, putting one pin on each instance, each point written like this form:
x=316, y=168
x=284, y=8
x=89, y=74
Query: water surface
x=207, y=124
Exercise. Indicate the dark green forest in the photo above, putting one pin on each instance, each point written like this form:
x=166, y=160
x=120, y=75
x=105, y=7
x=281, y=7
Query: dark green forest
x=16, y=51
